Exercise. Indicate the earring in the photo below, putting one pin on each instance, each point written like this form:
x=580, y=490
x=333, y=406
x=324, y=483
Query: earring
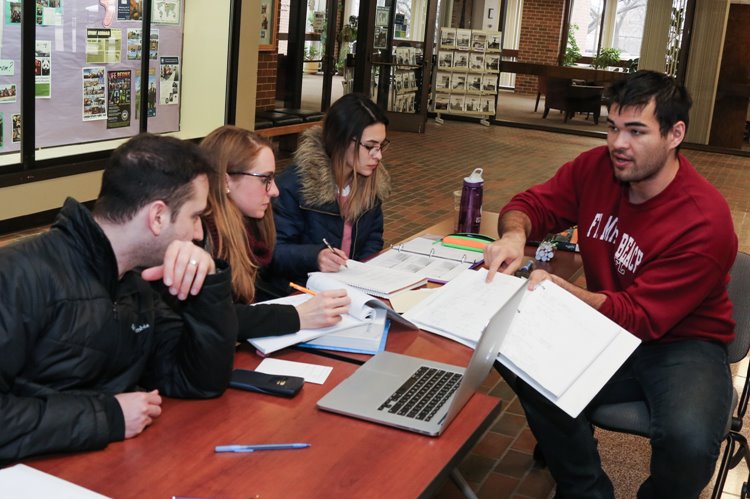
x=228, y=190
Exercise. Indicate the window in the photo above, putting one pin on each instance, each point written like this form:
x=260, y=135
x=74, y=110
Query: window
x=609, y=24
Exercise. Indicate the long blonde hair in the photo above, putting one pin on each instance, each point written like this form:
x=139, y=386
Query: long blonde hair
x=231, y=149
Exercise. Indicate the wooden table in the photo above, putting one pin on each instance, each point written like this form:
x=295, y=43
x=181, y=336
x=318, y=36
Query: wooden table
x=348, y=457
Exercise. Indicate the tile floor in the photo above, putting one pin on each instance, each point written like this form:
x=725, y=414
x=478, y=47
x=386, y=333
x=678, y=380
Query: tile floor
x=426, y=169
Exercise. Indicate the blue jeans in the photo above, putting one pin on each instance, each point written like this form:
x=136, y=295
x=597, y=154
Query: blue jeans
x=688, y=389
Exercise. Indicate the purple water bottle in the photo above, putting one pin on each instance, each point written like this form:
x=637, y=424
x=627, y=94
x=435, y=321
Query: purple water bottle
x=470, y=213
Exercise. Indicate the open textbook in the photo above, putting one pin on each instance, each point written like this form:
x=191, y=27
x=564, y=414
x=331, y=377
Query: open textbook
x=362, y=319
x=558, y=344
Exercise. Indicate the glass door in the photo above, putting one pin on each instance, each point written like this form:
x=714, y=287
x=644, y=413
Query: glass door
x=399, y=64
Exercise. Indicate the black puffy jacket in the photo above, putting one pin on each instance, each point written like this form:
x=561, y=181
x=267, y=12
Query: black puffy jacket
x=72, y=335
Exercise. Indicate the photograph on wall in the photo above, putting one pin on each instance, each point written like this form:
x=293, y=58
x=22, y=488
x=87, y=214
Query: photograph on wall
x=493, y=42
x=129, y=10
x=458, y=83
x=135, y=44
x=473, y=104
x=165, y=11
x=7, y=92
x=169, y=80
x=488, y=105
x=445, y=60
x=94, y=94
x=381, y=38
x=43, y=69
x=49, y=12
x=267, y=21
x=463, y=39
x=489, y=84
x=15, y=135
x=492, y=62
x=13, y=12
x=478, y=41
x=442, y=81
x=381, y=16
x=447, y=38
x=103, y=45
x=476, y=62
x=441, y=102
x=474, y=84
x=461, y=60
x=151, y=95
x=456, y=104
x=118, y=98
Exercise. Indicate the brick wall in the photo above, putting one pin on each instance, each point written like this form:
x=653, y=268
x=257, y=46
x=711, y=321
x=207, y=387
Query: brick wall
x=541, y=27
x=265, y=97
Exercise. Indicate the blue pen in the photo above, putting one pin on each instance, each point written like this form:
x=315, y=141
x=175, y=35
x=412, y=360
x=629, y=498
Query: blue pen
x=253, y=448
x=527, y=268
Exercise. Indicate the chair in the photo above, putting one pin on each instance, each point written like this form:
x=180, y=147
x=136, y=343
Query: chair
x=541, y=89
x=633, y=417
x=562, y=94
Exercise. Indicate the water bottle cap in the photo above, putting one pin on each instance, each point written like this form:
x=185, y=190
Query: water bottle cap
x=476, y=176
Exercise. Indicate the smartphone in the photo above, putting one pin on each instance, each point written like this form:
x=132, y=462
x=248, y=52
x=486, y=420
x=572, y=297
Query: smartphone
x=272, y=384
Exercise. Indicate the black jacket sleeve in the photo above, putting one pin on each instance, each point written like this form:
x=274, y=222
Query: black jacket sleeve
x=194, y=349
x=260, y=320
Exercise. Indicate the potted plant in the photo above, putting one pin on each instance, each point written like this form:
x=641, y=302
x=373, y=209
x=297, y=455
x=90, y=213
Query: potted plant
x=572, y=51
x=312, y=59
x=605, y=58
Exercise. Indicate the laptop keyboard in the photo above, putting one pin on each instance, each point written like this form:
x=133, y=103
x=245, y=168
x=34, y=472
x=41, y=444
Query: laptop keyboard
x=423, y=394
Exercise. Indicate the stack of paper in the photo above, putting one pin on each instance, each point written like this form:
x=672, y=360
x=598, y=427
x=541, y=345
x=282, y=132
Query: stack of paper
x=557, y=343
x=24, y=482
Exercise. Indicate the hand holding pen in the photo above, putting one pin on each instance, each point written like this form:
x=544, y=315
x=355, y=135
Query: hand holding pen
x=331, y=259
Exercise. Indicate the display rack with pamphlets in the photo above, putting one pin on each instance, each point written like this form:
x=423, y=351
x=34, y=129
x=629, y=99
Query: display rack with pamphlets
x=466, y=78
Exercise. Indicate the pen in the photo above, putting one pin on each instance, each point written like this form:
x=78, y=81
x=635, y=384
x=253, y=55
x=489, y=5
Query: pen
x=302, y=289
x=527, y=268
x=253, y=448
x=332, y=250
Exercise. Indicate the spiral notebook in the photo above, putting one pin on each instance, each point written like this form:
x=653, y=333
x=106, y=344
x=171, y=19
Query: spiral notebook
x=377, y=281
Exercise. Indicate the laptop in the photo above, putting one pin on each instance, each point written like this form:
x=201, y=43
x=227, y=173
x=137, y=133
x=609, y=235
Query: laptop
x=416, y=394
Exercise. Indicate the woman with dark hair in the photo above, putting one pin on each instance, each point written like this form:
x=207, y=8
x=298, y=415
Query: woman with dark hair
x=240, y=230
x=333, y=193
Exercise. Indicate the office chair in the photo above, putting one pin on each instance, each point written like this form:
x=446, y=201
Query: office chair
x=633, y=417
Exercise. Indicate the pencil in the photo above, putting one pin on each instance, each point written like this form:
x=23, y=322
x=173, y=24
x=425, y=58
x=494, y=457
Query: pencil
x=302, y=288
x=333, y=250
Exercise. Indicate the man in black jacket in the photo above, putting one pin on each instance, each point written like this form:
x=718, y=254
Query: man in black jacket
x=86, y=345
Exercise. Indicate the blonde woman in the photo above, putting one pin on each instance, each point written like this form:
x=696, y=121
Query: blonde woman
x=240, y=230
x=334, y=192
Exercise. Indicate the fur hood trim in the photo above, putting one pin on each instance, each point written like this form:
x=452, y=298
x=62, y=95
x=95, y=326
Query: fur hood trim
x=318, y=186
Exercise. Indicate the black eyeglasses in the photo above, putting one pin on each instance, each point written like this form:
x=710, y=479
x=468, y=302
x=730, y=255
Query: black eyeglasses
x=266, y=178
x=373, y=149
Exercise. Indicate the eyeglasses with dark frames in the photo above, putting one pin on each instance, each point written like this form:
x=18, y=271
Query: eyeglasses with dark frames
x=373, y=149
x=266, y=178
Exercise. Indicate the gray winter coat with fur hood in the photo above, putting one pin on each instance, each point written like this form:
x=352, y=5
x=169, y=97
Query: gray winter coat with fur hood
x=307, y=211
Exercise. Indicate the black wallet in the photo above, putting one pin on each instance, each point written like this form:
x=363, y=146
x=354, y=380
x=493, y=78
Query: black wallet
x=272, y=384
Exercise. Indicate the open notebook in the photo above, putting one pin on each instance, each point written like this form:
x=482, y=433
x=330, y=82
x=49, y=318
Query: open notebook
x=558, y=344
x=376, y=281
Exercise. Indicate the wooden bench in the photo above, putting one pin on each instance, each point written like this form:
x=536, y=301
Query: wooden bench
x=286, y=122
